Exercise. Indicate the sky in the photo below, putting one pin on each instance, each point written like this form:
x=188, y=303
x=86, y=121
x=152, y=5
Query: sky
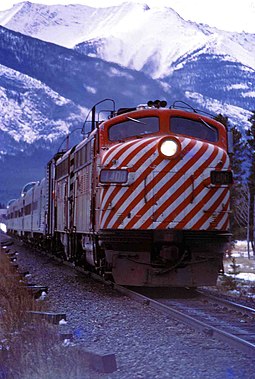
x=227, y=15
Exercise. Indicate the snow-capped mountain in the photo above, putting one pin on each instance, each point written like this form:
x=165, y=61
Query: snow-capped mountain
x=30, y=99
x=132, y=35
x=54, y=87
x=57, y=61
x=155, y=41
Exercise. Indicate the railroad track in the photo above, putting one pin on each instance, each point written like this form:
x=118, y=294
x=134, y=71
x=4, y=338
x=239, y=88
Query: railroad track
x=216, y=317
x=225, y=320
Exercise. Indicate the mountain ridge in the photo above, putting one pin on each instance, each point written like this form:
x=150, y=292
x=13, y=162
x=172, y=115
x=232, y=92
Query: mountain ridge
x=65, y=26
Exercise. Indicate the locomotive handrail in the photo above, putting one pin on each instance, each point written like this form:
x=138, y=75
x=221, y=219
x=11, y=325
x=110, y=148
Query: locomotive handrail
x=93, y=111
x=183, y=102
x=188, y=106
x=66, y=139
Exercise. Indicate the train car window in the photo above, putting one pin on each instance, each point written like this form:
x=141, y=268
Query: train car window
x=62, y=169
x=88, y=153
x=82, y=156
x=133, y=127
x=194, y=128
x=27, y=209
x=35, y=205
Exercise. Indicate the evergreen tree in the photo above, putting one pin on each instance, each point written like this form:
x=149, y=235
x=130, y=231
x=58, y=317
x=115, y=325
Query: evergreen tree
x=251, y=153
x=251, y=173
x=222, y=119
x=238, y=197
x=238, y=158
x=239, y=190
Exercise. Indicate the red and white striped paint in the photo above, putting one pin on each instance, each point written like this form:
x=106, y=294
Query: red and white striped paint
x=165, y=193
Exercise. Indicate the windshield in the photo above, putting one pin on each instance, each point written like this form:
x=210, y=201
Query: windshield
x=133, y=127
x=194, y=128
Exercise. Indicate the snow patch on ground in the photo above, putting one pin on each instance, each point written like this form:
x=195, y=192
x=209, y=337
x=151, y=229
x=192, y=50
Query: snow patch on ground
x=3, y=227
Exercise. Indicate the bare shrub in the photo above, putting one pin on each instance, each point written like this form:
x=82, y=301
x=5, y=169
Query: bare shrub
x=31, y=349
x=15, y=299
x=38, y=353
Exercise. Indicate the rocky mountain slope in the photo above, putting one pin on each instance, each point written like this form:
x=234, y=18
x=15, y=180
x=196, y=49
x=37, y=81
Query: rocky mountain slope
x=47, y=89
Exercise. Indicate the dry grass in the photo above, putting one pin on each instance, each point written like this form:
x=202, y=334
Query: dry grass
x=15, y=298
x=37, y=353
x=32, y=349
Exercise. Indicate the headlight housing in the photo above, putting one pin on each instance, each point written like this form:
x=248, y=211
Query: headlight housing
x=169, y=147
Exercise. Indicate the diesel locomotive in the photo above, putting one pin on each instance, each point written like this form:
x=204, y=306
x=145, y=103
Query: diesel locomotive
x=143, y=198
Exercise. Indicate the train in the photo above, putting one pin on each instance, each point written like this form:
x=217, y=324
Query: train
x=143, y=199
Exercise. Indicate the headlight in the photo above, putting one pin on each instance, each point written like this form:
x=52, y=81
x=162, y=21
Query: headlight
x=169, y=147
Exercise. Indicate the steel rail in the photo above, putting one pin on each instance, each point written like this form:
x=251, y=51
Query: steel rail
x=229, y=303
x=209, y=330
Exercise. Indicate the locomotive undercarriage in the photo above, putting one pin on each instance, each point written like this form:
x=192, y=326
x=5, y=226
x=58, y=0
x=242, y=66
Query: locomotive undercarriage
x=152, y=258
x=164, y=257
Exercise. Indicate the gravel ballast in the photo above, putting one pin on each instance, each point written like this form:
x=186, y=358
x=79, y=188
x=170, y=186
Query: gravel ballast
x=146, y=343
